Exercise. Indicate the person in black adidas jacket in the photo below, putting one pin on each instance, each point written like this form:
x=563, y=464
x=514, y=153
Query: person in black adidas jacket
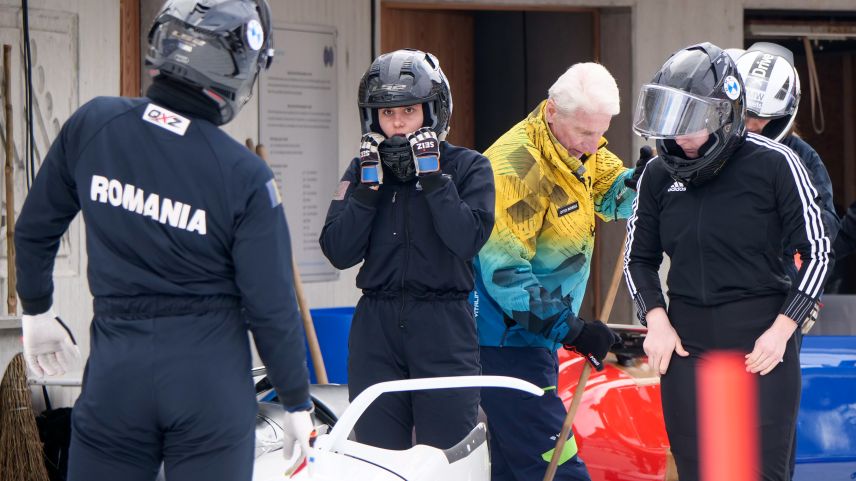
x=415, y=210
x=188, y=248
x=720, y=202
x=772, y=86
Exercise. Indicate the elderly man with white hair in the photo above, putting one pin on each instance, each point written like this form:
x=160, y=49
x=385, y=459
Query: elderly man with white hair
x=553, y=175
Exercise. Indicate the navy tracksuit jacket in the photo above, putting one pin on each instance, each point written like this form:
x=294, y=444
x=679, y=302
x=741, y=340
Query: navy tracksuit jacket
x=822, y=183
x=188, y=247
x=417, y=241
x=845, y=243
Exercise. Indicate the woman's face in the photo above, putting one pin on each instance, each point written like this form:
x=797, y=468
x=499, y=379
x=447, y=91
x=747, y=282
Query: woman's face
x=755, y=124
x=400, y=120
x=690, y=143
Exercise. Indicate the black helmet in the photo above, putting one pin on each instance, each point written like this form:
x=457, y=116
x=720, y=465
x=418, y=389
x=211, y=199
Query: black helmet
x=216, y=45
x=698, y=89
x=772, y=86
x=406, y=77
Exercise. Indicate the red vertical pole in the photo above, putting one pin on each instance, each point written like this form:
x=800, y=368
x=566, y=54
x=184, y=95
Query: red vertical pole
x=727, y=419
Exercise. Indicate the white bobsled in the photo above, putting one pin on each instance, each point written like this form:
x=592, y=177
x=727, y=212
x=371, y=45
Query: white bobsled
x=337, y=458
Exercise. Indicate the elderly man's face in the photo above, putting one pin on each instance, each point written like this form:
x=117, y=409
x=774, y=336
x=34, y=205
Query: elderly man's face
x=579, y=132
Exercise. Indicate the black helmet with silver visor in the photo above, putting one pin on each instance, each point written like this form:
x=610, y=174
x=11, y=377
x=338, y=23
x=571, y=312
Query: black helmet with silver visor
x=697, y=92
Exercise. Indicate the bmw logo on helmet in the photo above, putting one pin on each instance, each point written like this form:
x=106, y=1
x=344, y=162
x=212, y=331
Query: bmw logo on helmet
x=731, y=87
x=255, y=34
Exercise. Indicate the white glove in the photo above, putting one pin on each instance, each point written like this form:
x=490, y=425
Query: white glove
x=48, y=346
x=295, y=443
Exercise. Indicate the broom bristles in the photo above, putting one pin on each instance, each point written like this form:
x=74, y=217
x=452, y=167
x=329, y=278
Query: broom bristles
x=21, y=454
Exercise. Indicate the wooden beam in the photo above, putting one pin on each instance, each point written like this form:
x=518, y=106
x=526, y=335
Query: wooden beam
x=129, y=48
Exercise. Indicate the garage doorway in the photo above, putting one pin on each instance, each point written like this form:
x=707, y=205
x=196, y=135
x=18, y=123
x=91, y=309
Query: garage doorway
x=500, y=61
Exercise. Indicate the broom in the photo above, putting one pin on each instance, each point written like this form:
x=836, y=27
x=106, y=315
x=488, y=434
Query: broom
x=21, y=455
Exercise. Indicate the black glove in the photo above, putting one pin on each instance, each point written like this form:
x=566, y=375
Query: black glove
x=426, y=151
x=594, y=342
x=645, y=154
x=370, y=169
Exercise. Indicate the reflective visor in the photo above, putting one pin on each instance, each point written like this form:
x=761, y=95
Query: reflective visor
x=766, y=101
x=665, y=112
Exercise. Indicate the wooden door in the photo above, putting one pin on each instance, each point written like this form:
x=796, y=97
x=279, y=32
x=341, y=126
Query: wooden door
x=449, y=36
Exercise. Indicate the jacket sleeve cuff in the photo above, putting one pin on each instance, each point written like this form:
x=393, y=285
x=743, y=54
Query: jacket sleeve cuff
x=575, y=327
x=31, y=307
x=645, y=301
x=366, y=195
x=798, y=306
x=296, y=399
x=432, y=182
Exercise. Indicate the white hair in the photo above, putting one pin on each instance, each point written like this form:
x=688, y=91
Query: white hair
x=586, y=86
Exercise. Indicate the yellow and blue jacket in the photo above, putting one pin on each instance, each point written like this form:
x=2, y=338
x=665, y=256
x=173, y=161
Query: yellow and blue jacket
x=532, y=273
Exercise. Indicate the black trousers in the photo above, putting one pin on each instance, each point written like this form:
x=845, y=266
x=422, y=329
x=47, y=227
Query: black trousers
x=522, y=427
x=732, y=326
x=173, y=388
x=404, y=338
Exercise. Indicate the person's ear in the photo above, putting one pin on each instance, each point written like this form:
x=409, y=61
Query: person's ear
x=550, y=111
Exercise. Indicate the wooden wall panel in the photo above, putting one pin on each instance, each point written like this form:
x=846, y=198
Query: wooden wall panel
x=449, y=36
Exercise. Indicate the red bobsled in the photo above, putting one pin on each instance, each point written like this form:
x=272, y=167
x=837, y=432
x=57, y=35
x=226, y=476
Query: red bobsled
x=619, y=425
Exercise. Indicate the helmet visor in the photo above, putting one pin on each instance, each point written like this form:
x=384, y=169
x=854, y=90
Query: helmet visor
x=765, y=101
x=665, y=112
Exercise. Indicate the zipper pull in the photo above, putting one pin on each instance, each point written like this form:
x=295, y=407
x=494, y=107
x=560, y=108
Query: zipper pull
x=393, y=196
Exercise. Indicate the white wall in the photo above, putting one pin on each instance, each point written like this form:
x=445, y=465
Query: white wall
x=351, y=19
x=98, y=69
x=75, y=58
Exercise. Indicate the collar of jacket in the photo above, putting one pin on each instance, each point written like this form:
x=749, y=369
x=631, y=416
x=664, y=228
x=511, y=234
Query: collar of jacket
x=539, y=133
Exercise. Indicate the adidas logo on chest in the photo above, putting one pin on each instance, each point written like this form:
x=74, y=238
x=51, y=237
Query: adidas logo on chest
x=677, y=187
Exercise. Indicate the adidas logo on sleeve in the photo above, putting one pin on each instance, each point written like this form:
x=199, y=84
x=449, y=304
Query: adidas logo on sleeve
x=677, y=187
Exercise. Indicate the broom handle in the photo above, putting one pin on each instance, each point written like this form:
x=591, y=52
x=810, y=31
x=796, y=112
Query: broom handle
x=581, y=383
x=569, y=422
x=11, y=296
x=308, y=325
